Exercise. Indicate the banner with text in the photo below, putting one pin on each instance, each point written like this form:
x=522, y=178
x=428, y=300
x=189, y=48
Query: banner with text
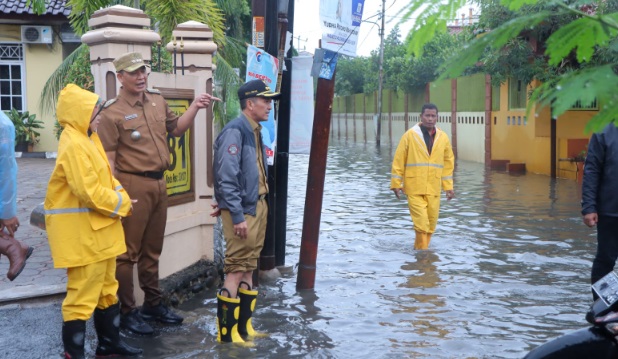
x=340, y=21
x=178, y=176
x=263, y=66
x=301, y=105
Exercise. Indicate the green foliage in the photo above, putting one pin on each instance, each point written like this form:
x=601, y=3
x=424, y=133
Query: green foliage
x=431, y=21
x=578, y=64
x=402, y=71
x=351, y=73
x=38, y=6
x=26, y=126
x=58, y=79
x=583, y=34
x=169, y=13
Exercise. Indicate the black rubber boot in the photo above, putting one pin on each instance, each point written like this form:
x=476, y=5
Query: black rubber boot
x=227, y=318
x=107, y=325
x=248, y=299
x=73, y=336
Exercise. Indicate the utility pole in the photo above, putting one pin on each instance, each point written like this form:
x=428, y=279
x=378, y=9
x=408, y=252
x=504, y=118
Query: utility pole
x=381, y=79
x=299, y=39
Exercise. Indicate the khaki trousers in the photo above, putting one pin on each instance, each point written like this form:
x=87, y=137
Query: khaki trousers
x=241, y=255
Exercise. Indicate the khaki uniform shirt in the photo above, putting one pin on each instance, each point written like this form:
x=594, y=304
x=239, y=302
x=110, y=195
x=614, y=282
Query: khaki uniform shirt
x=263, y=181
x=151, y=116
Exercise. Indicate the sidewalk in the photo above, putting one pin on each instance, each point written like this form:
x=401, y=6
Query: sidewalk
x=39, y=278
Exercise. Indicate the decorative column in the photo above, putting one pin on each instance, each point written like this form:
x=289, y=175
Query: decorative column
x=193, y=41
x=115, y=31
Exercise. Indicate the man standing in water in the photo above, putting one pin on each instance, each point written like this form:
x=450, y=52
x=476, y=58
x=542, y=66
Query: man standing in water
x=599, y=199
x=133, y=130
x=241, y=188
x=422, y=167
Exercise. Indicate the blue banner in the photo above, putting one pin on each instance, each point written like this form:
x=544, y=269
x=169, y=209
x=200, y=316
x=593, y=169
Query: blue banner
x=263, y=66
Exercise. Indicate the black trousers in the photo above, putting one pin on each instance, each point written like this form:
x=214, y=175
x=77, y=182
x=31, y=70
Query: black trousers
x=607, y=248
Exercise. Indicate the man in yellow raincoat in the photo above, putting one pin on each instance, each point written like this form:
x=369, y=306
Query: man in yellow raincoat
x=423, y=166
x=83, y=208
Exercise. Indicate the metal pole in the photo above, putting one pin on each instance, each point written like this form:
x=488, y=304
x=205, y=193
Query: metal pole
x=315, y=184
x=267, y=256
x=258, y=12
x=381, y=78
x=283, y=147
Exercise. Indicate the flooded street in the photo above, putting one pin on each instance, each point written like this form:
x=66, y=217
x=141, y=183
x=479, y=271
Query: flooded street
x=507, y=270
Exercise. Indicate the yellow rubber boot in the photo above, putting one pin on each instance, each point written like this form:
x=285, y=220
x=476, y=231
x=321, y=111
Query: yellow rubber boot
x=421, y=241
x=228, y=310
x=248, y=299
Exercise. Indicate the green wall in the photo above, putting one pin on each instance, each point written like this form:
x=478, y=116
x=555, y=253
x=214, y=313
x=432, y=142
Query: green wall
x=471, y=93
x=440, y=94
x=470, y=97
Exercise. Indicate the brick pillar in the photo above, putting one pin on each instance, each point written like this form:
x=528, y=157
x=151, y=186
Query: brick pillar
x=115, y=31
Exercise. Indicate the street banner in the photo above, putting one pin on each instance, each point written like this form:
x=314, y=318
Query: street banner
x=263, y=66
x=340, y=21
x=301, y=105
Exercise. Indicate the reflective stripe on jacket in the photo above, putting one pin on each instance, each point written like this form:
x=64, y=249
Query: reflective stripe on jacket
x=419, y=173
x=84, y=202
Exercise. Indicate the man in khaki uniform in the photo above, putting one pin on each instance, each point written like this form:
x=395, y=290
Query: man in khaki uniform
x=133, y=130
x=241, y=185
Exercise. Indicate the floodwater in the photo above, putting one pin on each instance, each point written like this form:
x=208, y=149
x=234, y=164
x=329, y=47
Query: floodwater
x=507, y=270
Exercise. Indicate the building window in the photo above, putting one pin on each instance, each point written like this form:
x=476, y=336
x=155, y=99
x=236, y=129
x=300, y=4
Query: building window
x=12, y=93
x=517, y=94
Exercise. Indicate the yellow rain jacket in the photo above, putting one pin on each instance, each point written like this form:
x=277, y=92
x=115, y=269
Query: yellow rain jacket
x=84, y=202
x=419, y=173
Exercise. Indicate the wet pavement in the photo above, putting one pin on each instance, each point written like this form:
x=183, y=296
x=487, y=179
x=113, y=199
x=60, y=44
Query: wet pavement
x=39, y=278
x=506, y=271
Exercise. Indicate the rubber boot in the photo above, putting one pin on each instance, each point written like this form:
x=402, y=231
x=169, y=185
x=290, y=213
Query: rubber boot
x=228, y=310
x=107, y=326
x=248, y=299
x=73, y=336
x=421, y=241
x=17, y=254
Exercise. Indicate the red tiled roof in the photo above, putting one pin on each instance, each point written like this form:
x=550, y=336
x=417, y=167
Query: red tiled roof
x=54, y=7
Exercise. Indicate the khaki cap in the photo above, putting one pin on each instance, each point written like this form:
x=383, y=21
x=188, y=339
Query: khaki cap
x=129, y=62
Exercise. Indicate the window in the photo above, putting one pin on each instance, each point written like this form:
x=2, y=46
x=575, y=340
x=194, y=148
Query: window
x=517, y=94
x=12, y=93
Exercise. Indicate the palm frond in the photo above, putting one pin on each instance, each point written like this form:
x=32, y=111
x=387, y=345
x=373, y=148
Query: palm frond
x=55, y=83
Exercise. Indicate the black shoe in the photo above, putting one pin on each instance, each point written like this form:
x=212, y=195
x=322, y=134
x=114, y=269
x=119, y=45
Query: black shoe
x=160, y=313
x=133, y=322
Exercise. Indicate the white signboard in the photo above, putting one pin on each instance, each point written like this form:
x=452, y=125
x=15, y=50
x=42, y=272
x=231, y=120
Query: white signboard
x=301, y=105
x=340, y=21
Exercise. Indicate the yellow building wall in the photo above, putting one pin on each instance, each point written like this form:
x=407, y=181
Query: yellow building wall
x=10, y=33
x=40, y=61
x=526, y=139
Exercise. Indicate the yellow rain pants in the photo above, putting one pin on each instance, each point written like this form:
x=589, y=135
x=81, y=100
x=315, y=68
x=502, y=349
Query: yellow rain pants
x=424, y=210
x=89, y=287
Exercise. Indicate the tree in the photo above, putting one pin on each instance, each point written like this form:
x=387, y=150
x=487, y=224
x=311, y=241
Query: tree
x=579, y=62
x=351, y=73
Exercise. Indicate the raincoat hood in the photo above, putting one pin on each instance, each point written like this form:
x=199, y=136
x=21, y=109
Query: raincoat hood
x=75, y=106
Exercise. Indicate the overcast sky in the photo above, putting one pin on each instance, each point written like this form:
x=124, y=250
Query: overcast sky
x=307, y=25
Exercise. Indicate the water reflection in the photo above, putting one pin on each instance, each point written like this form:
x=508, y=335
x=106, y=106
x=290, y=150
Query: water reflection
x=507, y=270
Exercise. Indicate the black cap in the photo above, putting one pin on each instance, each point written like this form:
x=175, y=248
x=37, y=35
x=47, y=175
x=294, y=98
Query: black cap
x=256, y=88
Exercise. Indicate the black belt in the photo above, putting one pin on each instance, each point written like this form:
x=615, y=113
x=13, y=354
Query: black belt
x=150, y=174
x=262, y=196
